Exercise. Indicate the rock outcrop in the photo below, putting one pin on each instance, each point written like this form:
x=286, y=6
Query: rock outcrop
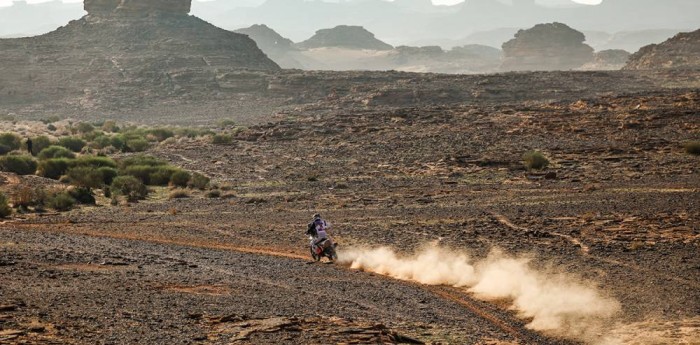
x=680, y=52
x=607, y=60
x=106, y=7
x=124, y=55
x=344, y=36
x=546, y=47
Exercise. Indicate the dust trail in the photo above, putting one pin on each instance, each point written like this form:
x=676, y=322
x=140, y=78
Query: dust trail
x=558, y=303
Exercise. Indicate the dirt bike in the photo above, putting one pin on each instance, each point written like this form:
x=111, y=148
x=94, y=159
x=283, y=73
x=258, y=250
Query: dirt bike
x=323, y=247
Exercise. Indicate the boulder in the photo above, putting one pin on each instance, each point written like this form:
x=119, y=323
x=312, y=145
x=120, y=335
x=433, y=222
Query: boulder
x=546, y=47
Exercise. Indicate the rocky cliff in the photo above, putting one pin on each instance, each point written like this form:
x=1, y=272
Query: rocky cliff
x=680, y=52
x=546, y=47
x=127, y=53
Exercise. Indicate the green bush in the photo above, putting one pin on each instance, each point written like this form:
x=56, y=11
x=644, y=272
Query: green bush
x=178, y=194
x=84, y=128
x=51, y=128
x=141, y=172
x=141, y=160
x=40, y=143
x=4, y=149
x=161, y=175
x=180, y=178
x=71, y=143
x=95, y=162
x=160, y=134
x=222, y=139
x=55, y=152
x=198, y=181
x=82, y=195
x=692, y=147
x=108, y=174
x=18, y=164
x=110, y=126
x=137, y=145
x=213, y=194
x=86, y=177
x=50, y=119
x=100, y=142
x=118, y=142
x=61, y=202
x=227, y=123
x=11, y=140
x=191, y=132
x=130, y=187
x=535, y=160
x=5, y=209
x=54, y=168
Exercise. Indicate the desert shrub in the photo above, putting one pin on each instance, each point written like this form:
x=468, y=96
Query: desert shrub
x=227, y=123
x=4, y=149
x=95, y=162
x=108, y=174
x=18, y=164
x=535, y=160
x=61, y=202
x=191, y=132
x=82, y=195
x=85, y=176
x=40, y=143
x=5, y=209
x=222, y=139
x=51, y=128
x=54, y=168
x=29, y=196
x=214, y=193
x=141, y=172
x=160, y=134
x=55, y=152
x=198, y=181
x=110, y=126
x=141, y=160
x=101, y=141
x=118, y=142
x=84, y=127
x=72, y=143
x=692, y=147
x=160, y=176
x=50, y=119
x=137, y=145
x=180, y=178
x=11, y=140
x=178, y=194
x=130, y=187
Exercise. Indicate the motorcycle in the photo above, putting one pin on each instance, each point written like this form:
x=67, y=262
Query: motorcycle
x=323, y=247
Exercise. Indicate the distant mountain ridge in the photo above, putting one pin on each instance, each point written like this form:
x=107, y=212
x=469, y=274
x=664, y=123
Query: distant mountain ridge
x=404, y=22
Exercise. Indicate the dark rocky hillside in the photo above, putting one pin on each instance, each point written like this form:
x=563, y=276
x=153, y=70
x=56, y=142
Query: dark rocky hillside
x=681, y=51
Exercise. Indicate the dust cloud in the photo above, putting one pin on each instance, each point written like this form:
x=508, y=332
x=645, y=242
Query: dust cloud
x=557, y=303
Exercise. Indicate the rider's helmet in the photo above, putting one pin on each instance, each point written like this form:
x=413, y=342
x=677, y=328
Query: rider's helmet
x=317, y=216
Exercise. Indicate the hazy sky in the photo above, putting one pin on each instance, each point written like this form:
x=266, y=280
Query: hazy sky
x=437, y=2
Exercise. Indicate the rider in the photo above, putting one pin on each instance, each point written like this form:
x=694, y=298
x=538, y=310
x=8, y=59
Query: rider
x=318, y=229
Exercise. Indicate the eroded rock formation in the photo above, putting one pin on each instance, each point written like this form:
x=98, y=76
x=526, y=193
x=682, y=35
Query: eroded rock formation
x=125, y=57
x=546, y=47
x=680, y=52
x=344, y=36
x=103, y=7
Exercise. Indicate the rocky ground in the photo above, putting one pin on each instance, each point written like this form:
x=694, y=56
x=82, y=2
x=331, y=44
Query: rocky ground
x=617, y=208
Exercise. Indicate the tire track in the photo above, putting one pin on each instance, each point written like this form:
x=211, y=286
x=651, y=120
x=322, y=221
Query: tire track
x=494, y=317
